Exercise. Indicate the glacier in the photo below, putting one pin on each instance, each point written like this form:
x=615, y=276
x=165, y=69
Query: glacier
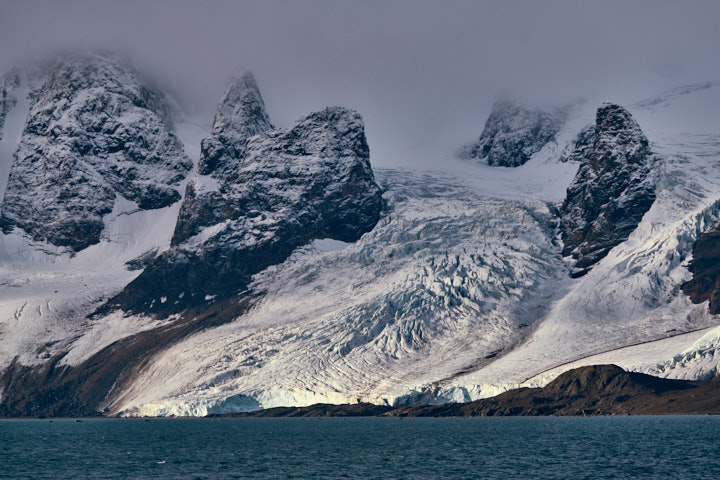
x=460, y=292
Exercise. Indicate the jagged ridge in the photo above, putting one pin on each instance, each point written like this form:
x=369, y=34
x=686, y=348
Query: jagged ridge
x=265, y=194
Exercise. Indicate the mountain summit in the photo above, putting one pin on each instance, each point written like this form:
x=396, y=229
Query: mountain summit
x=513, y=133
x=612, y=190
x=95, y=135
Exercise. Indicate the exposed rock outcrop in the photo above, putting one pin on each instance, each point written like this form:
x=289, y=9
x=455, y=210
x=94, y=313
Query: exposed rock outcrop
x=260, y=194
x=513, y=133
x=318, y=410
x=95, y=132
x=705, y=267
x=613, y=188
x=580, y=146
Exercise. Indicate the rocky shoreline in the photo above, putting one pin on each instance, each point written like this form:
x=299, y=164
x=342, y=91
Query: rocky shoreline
x=597, y=390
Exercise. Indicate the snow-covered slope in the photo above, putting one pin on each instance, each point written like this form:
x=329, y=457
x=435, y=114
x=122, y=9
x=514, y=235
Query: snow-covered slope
x=460, y=291
x=633, y=296
x=449, y=278
x=438, y=310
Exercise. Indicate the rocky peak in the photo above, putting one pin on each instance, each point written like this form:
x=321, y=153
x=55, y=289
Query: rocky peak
x=95, y=132
x=240, y=115
x=618, y=139
x=612, y=189
x=513, y=133
x=276, y=191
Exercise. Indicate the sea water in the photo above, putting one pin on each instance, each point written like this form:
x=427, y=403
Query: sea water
x=329, y=448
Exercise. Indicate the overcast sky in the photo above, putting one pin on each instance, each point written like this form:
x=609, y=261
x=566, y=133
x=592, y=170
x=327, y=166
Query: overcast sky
x=423, y=74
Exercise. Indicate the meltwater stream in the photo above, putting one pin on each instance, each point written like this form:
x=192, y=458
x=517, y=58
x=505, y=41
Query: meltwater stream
x=329, y=448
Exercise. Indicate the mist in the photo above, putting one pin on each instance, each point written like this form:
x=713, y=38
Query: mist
x=423, y=74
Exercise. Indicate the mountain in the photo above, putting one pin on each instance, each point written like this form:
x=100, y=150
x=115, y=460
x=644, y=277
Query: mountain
x=94, y=136
x=613, y=188
x=288, y=272
x=513, y=133
x=259, y=195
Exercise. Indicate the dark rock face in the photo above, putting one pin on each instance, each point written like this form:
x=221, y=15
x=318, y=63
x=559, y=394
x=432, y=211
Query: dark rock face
x=582, y=145
x=612, y=190
x=513, y=133
x=7, y=101
x=264, y=193
x=94, y=132
x=318, y=410
x=705, y=267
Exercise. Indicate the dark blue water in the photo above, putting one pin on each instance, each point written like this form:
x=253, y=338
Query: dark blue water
x=503, y=448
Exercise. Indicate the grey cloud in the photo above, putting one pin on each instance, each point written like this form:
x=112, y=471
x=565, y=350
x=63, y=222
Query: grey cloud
x=423, y=74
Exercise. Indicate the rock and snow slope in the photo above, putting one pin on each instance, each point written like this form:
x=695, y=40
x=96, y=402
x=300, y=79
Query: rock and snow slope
x=46, y=291
x=260, y=194
x=460, y=290
x=632, y=297
x=95, y=136
x=442, y=316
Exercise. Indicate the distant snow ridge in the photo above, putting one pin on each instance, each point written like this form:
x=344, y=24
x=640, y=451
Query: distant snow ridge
x=513, y=133
x=612, y=190
x=260, y=194
x=95, y=133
